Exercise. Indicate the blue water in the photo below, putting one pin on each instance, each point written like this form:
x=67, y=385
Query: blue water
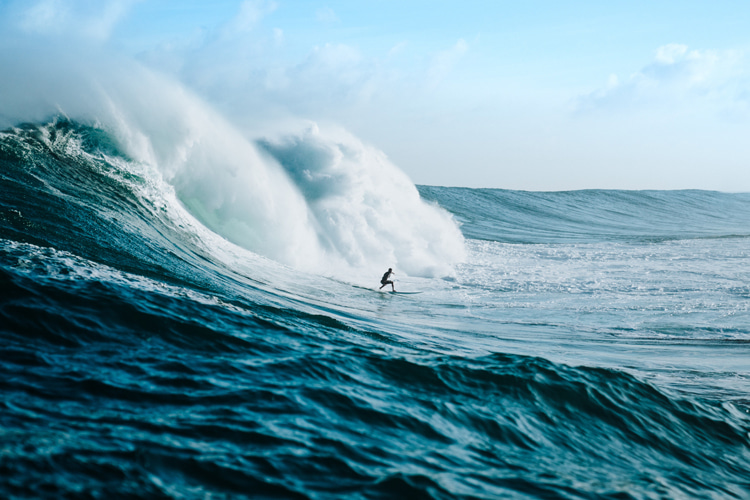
x=584, y=344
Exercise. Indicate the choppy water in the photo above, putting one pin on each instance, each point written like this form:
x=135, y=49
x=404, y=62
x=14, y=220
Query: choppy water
x=587, y=344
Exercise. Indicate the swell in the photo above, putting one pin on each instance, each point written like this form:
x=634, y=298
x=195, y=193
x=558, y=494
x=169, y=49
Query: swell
x=110, y=390
x=118, y=385
x=594, y=215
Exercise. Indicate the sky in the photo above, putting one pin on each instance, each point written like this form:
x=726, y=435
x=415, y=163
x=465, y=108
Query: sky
x=533, y=95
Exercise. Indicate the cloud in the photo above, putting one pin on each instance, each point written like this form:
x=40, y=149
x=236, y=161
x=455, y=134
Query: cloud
x=245, y=68
x=397, y=49
x=678, y=77
x=443, y=63
x=671, y=53
x=332, y=57
x=249, y=15
x=326, y=15
x=331, y=76
x=223, y=58
x=240, y=67
x=87, y=19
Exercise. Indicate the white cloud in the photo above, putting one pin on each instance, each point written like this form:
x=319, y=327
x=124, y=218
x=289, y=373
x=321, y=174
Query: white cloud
x=444, y=62
x=246, y=69
x=397, y=49
x=226, y=59
x=670, y=53
x=249, y=15
x=332, y=74
x=333, y=57
x=43, y=16
x=278, y=36
x=326, y=15
x=87, y=19
x=679, y=78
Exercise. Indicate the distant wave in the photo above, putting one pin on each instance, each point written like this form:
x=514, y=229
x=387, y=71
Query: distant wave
x=594, y=215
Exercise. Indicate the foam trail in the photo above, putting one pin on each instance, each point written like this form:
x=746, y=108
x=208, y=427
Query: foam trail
x=320, y=201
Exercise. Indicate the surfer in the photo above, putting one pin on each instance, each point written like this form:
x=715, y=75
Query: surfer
x=386, y=279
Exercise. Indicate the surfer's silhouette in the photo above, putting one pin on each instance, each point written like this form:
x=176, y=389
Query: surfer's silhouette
x=386, y=279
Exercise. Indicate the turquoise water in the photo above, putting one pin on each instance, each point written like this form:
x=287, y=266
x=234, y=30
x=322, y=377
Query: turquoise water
x=585, y=344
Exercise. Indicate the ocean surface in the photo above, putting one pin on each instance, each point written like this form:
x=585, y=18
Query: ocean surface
x=168, y=329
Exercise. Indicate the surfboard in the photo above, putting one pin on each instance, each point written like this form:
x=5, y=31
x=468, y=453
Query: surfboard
x=385, y=291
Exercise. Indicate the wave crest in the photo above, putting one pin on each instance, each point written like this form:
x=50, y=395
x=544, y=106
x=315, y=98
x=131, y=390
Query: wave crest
x=318, y=201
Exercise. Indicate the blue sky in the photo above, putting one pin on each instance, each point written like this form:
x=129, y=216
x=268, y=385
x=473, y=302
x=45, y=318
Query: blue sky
x=536, y=95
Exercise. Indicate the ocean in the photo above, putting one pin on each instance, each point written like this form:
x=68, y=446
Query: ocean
x=177, y=324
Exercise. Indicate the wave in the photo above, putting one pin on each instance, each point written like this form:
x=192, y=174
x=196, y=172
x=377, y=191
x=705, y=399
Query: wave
x=369, y=216
x=189, y=393
x=315, y=198
x=594, y=215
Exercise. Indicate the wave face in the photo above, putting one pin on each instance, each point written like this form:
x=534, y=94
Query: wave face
x=155, y=343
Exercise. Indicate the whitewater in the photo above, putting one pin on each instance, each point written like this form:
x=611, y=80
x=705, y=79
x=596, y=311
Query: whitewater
x=191, y=311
